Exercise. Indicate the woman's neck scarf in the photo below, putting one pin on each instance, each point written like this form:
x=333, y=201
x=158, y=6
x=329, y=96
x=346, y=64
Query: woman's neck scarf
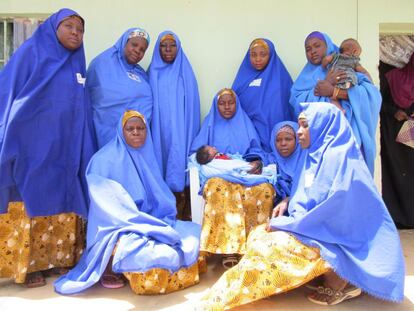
x=264, y=94
x=177, y=107
x=45, y=125
x=401, y=82
x=362, y=107
x=114, y=86
x=336, y=207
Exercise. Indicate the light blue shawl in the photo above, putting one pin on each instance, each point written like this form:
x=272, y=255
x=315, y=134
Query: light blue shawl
x=176, y=116
x=335, y=206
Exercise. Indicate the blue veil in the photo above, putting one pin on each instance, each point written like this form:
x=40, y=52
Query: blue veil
x=362, y=108
x=264, y=95
x=176, y=116
x=336, y=207
x=116, y=86
x=286, y=166
x=45, y=125
x=235, y=135
x=130, y=205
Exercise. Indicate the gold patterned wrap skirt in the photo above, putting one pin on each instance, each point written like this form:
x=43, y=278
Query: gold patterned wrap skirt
x=39, y=243
x=275, y=262
x=231, y=211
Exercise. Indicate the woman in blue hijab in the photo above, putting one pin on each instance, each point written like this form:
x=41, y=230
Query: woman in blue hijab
x=116, y=82
x=176, y=114
x=132, y=211
x=231, y=209
x=337, y=225
x=362, y=102
x=263, y=86
x=45, y=145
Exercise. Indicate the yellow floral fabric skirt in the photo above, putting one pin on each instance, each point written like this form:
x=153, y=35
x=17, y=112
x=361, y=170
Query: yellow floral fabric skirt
x=160, y=281
x=275, y=262
x=231, y=211
x=39, y=243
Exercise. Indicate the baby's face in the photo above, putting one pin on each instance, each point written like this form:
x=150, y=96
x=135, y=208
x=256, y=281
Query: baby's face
x=212, y=151
x=351, y=48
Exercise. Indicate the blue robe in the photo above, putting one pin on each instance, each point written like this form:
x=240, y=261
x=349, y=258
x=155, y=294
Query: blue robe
x=45, y=125
x=264, y=94
x=176, y=115
x=336, y=207
x=362, y=108
x=130, y=203
x=116, y=86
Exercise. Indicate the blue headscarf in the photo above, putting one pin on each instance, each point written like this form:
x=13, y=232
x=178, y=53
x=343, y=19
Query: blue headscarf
x=45, y=125
x=286, y=166
x=176, y=116
x=235, y=135
x=362, y=108
x=116, y=86
x=335, y=206
x=130, y=205
x=264, y=94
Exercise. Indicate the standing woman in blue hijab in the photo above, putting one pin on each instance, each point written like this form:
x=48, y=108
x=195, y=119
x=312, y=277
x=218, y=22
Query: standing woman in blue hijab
x=361, y=102
x=263, y=86
x=176, y=114
x=45, y=145
x=116, y=82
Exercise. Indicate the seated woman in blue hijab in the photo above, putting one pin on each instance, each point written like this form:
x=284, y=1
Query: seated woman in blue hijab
x=263, y=86
x=176, y=116
x=361, y=102
x=45, y=144
x=231, y=209
x=336, y=225
x=116, y=82
x=132, y=224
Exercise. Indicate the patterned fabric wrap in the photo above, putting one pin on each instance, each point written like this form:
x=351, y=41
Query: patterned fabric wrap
x=406, y=134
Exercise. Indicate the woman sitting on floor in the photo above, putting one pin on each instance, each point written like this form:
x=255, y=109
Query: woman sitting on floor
x=132, y=221
x=336, y=225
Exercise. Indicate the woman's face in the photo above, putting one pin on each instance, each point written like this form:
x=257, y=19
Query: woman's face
x=285, y=143
x=135, y=132
x=135, y=50
x=168, y=50
x=315, y=50
x=303, y=133
x=226, y=106
x=70, y=33
x=259, y=57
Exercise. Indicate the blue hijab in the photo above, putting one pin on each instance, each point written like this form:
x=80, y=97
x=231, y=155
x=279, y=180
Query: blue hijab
x=130, y=205
x=336, y=207
x=264, y=94
x=176, y=106
x=362, y=108
x=45, y=125
x=235, y=135
x=116, y=86
x=286, y=166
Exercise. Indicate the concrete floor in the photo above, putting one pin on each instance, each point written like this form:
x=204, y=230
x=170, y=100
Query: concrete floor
x=15, y=297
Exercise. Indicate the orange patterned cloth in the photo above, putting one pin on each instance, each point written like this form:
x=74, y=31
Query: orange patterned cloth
x=275, y=262
x=231, y=211
x=39, y=243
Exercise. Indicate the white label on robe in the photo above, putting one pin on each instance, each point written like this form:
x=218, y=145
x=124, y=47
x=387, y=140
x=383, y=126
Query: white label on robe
x=133, y=76
x=256, y=82
x=309, y=180
x=80, y=79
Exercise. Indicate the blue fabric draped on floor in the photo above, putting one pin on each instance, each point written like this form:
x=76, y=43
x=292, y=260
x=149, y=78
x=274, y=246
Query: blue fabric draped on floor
x=335, y=206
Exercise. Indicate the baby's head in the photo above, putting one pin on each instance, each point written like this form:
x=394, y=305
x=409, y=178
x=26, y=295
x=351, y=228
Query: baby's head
x=350, y=47
x=205, y=154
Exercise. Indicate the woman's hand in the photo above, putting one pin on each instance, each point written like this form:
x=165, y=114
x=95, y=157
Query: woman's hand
x=257, y=166
x=335, y=76
x=400, y=115
x=324, y=88
x=281, y=208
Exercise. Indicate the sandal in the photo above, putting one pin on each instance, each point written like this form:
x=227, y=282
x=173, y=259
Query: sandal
x=112, y=281
x=34, y=279
x=229, y=261
x=333, y=297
